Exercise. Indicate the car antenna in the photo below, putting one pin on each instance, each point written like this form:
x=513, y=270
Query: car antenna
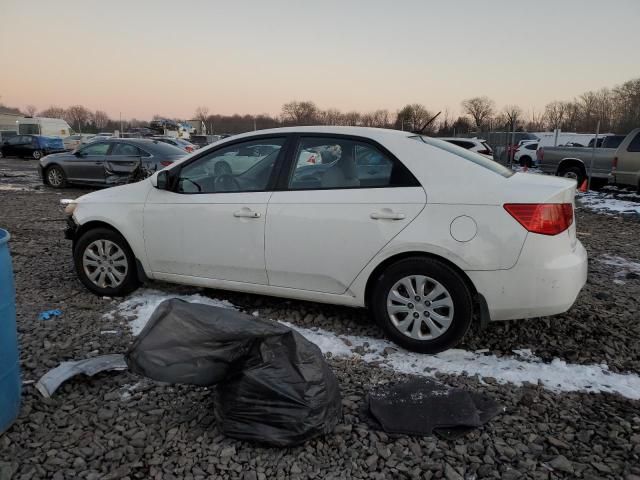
x=429, y=122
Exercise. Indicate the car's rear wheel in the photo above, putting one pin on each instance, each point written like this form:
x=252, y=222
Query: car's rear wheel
x=422, y=304
x=575, y=173
x=105, y=263
x=37, y=154
x=55, y=177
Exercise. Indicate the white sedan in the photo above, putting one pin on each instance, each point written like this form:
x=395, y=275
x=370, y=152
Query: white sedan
x=427, y=235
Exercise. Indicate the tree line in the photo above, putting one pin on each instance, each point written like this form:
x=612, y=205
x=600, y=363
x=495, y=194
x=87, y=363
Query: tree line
x=617, y=109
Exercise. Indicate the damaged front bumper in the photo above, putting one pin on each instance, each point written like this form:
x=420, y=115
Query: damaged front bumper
x=71, y=229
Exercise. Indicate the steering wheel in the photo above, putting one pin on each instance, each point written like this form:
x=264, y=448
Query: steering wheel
x=192, y=182
x=226, y=183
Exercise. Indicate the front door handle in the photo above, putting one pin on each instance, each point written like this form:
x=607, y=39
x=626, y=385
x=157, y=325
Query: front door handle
x=246, y=213
x=386, y=214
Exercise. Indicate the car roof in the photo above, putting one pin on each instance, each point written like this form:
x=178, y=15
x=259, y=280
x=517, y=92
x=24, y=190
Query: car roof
x=446, y=139
x=369, y=132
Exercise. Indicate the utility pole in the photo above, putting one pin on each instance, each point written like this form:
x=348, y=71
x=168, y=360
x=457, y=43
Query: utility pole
x=593, y=154
x=120, y=123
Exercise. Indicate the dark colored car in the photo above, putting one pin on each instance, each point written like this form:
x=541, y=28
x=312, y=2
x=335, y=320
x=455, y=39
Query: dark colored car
x=199, y=140
x=31, y=146
x=177, y=142
x=108, y=162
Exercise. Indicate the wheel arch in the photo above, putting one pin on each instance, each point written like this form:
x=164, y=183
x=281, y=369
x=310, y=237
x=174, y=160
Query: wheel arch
x=571, y=162
x=93, y=224
x=377, y=271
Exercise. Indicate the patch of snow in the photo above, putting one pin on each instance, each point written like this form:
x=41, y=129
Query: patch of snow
x=108, y=332
x=518, y=168
x=557, y=376
x=13, y=188
x=625, y=267
x=141, y=306
x=604, y=202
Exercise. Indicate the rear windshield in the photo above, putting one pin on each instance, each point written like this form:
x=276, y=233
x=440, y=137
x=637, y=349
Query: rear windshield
x=613, y=141
x=467, y=155
x=161, y=148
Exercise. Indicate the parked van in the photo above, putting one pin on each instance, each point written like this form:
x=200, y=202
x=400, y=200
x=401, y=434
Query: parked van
x=50, y=127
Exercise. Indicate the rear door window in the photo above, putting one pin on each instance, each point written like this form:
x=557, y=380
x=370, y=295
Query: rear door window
x=125, y=149
x=337, y=162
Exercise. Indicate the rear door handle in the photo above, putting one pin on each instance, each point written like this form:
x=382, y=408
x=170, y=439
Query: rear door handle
x=246, y=213
x=387, y=215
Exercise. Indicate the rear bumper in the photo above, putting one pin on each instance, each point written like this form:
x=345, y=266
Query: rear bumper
x=541, y=283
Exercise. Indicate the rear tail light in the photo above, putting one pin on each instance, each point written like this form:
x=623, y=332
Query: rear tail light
x=166, y=163
x=188, y=148
x=614, y=164
x=542, y=218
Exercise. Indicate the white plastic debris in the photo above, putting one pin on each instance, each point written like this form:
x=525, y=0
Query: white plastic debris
x=51, y=380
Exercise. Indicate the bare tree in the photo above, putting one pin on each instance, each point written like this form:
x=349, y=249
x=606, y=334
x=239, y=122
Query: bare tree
x=413, y=117
x=381, y=119
x=100, y=119
x=30, y=110
x=77, y=115
x=300, y=113
x=536, y=121
x=53, y=112
x=512, y=114
x=202, y=113
x=555, y=112
x=479, y=108
x=352, y=118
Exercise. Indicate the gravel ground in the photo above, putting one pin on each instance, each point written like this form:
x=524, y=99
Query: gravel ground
x=118, y=425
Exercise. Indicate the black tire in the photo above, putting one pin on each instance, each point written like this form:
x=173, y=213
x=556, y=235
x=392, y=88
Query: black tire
x=448, y=278
x=52, y=172
x=525, y=161
x=575, y=173
x=37, y=154
x=130, y=281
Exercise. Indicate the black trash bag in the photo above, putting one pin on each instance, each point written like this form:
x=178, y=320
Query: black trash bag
x=423, y=406
x=272, y=385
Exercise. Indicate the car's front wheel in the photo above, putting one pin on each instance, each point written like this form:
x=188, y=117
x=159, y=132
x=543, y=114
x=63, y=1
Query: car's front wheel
x=105, y=263
x=422, y=304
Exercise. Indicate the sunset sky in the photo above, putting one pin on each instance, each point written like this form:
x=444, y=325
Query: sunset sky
x=169, y=57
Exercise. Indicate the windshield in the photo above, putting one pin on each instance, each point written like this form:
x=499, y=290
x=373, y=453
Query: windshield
x=466, y=154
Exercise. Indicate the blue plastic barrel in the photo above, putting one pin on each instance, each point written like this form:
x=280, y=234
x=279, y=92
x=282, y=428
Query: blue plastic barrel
x=9, y=360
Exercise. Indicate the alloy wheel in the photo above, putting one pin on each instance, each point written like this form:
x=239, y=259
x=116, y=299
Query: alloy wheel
x=105, y=264
x=420, y=307
x=54, y=177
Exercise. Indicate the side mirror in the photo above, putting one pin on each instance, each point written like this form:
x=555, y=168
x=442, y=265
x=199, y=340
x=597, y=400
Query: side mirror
x=162, y=180
x=78, y=153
